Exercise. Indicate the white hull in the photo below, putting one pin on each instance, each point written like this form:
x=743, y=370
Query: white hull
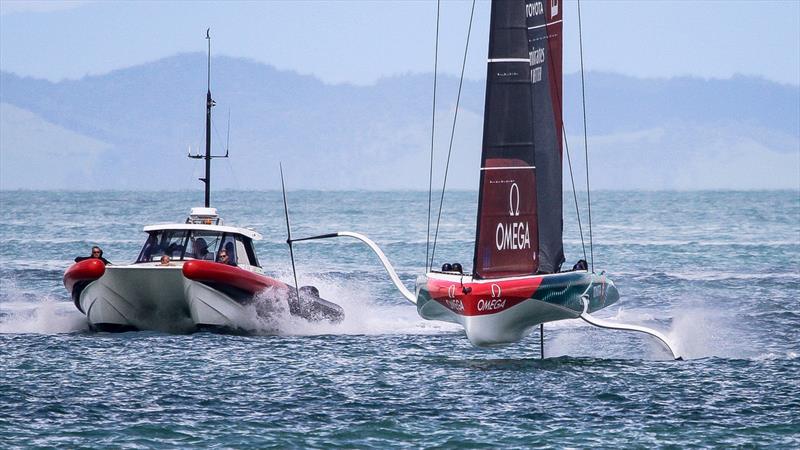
x=503, y=311
x=505, y=327
x=145, y=297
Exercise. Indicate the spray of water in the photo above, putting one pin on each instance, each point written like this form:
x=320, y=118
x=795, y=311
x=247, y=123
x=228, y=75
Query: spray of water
x=696, y=332
x=30, y=312
x=703, y=332
x=22, y=311
x=364, y=314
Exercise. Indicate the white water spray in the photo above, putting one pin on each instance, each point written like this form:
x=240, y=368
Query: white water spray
x=364, y=313
x=41, y=315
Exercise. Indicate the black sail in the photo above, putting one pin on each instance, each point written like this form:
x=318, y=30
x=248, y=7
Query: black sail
x=519, y=223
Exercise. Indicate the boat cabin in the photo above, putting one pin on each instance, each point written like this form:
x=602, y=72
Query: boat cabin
x=203, y=237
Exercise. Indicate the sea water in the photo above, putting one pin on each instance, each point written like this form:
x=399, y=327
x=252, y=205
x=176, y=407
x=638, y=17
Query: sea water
x=718, y=272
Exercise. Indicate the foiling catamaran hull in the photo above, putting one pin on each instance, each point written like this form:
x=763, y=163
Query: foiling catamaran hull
x=504, y=311
x=197, y=295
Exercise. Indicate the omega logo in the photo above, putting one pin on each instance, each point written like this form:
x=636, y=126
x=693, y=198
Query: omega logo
x=451, y=291
x=513, y=200
x=516, y=234
x=496, y=303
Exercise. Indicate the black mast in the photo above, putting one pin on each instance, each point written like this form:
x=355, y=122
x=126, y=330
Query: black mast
x=210, y=103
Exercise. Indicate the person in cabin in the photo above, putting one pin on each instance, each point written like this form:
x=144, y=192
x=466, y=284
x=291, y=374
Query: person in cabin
x=223, y=258
x=174, y=249
x=231, y=253
x=201, y=249
x=97, y=253
x=151, y=247
x=165, y=261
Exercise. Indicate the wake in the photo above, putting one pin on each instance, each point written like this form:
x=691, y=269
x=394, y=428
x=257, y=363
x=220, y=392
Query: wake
x=364, y=312
x=22, y=312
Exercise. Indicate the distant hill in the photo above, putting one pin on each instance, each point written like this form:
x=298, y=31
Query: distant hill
x=132, y=128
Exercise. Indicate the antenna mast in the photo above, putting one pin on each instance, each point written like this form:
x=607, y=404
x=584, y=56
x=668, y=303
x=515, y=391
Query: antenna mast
x=210, y=103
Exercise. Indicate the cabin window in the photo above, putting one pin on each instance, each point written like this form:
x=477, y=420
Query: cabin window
x=204, y=245
x=163, y=242
x=198, y=244
x=180, y=245
x=245, y=246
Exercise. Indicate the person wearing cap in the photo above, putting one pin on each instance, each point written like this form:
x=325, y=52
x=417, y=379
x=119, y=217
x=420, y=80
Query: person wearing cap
x=97, y=253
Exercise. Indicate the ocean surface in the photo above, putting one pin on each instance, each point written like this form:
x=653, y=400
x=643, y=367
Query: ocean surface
x=718, y=272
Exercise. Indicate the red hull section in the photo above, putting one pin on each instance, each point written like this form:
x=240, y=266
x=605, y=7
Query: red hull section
x=212, y=272
x=86, y=270
x=482, y=298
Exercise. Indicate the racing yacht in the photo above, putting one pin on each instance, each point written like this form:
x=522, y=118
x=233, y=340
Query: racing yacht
x=517, y=282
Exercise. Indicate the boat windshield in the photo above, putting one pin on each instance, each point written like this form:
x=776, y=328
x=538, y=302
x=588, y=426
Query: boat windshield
x=198, y=244
x=180, y=245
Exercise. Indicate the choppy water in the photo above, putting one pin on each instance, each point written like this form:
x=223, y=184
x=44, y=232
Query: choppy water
x=718, y=271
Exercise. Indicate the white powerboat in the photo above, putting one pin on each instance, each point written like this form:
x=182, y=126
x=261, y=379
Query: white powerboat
x=199, y=274
x=193, y=291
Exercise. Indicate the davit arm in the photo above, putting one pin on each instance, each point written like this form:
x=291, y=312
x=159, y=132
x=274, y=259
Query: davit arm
x=372, y=245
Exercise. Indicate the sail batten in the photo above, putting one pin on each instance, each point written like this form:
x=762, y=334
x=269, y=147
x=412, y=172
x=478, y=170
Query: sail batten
x=505, y=60
x=519, y=209
x=508, y=168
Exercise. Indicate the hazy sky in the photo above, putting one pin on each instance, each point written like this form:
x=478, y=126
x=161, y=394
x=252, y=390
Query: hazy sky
x=361, y=41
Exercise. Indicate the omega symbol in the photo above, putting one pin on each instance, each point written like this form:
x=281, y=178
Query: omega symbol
x=495, y=291
x=513, y=200
x=451, y=291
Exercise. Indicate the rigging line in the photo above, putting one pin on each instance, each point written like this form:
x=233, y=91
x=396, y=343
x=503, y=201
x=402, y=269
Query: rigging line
x=216, y=132
x=228, y=139
x=192, y=169
x=433, y=133
x=566, y=144
x=219, y=137
x=574, y=192
x=585, y=139
x=452, y=132
x=289, y=236
x=236, y=185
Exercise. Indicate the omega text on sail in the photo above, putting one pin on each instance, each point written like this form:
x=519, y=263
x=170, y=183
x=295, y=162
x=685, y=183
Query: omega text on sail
x=513, y=236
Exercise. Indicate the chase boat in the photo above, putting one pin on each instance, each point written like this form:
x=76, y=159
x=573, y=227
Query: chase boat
x=190, y=290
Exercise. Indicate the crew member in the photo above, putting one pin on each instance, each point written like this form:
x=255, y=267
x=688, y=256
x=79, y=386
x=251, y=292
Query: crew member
x=97, y=253
x=222, y=258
